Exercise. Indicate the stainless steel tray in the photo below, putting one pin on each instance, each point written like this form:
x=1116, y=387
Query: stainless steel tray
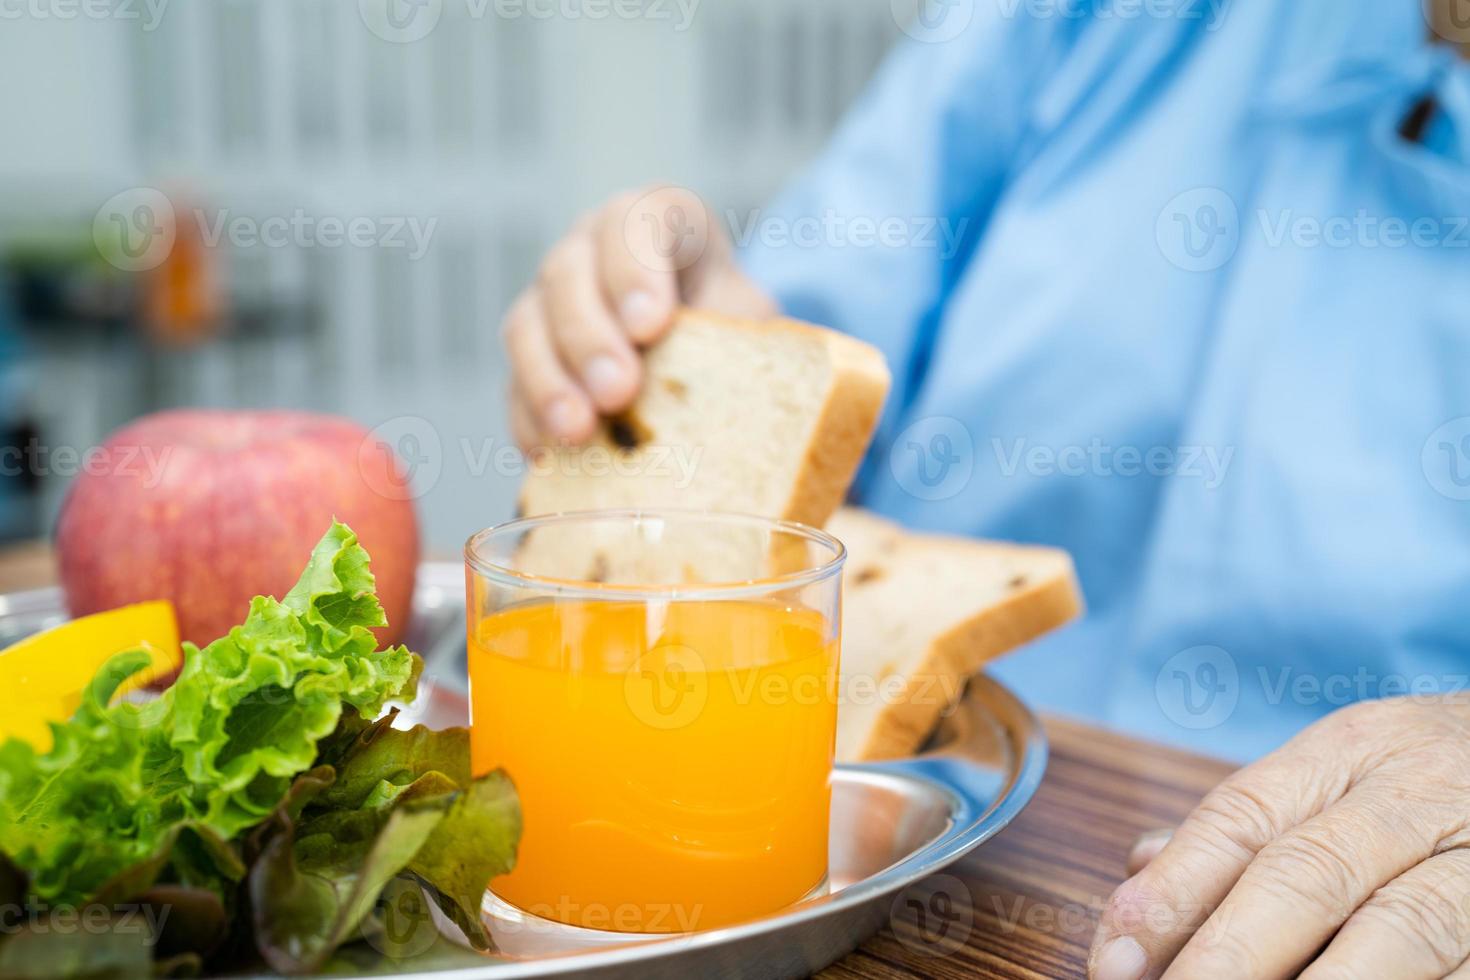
x=893, y=824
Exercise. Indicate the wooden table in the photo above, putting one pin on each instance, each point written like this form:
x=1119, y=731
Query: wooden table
x=1035, y=891
x=26, y=566
x=1025, y=904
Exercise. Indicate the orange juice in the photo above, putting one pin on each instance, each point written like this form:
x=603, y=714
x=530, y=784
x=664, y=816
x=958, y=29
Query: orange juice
x=672, y=757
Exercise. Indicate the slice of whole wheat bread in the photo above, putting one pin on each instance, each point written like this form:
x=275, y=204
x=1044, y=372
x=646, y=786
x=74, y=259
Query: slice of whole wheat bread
x=757, y=417
x=921, y=613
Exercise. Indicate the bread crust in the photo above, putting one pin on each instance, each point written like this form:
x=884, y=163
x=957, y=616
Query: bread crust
x=1037, y=608
x=840, y=436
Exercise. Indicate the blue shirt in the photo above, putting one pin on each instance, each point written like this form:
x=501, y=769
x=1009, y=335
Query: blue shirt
x=1175, y=294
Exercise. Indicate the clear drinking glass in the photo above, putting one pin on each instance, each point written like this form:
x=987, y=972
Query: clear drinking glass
x=661, y=686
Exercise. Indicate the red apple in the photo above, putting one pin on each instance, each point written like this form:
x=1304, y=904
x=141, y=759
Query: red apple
x=210, y=508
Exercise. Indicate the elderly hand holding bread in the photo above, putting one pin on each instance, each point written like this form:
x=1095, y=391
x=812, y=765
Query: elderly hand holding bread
x=608, y=288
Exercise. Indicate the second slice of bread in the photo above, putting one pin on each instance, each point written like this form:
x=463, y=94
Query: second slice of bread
x=921, y=613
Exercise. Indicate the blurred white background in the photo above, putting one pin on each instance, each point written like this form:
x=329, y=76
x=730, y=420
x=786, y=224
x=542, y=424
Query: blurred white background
x=489, y=133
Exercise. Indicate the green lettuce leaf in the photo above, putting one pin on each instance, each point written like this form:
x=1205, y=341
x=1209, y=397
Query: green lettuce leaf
x=318, y=876
x=380, y=761
x=217, y=751
x=487, y=818
x=401, y=936
x=386, y=765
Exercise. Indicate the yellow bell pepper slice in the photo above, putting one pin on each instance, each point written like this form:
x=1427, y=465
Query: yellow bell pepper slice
x=43, y=676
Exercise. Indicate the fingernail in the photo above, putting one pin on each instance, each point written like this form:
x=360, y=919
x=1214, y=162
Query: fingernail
x=641, y=313
x=606, y=379
x=564, y=416
x=1146, y=848
x=1120, y=959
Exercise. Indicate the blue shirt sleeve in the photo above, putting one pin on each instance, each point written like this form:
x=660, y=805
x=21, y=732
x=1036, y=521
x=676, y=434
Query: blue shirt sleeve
x=871, y=238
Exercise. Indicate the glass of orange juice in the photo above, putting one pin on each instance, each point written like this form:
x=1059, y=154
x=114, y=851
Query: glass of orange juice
x=662, y=689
